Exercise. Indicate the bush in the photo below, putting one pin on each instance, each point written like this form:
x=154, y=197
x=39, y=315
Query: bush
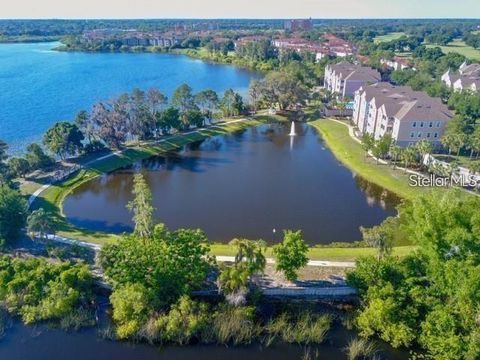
x=40, y=291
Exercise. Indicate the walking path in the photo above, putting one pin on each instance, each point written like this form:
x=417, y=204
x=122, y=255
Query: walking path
x=219, y=258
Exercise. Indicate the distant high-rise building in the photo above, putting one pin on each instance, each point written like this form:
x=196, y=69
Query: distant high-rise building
x=298, y=24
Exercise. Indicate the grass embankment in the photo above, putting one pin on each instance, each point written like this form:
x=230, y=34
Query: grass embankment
x=388, y=37
x=322, y=253
x=350, y=153
x=459, y=47
x=52, y=198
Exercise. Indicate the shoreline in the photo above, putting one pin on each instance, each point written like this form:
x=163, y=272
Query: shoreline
x=52, y=197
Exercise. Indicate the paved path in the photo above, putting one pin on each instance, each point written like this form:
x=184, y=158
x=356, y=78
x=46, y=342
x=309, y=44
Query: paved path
x=318, y=263
x=219, y=258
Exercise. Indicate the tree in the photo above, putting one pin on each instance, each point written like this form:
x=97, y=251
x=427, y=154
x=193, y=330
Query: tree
x=379, y=237
x=424, y=148
x=184, y=101
x=249, y=260
x=141, y=121
x=40, y=223
x=36, y=157
x=19, y=166
x=207, y=101
x=283, y=89
x=131, y=306
x=255, y=91
x=156, y=101
x=381, y=147
x=454, y=137
x=169, y=119
x=195, y=118
x=396, y=153
x=231, y=103
x=142, y=208
x=84, y=123
x=168, y=265
x=63, y=139
x=13, y=213
x=409, y=156
x=473, y=142
x=368, y=142
x=291, y=254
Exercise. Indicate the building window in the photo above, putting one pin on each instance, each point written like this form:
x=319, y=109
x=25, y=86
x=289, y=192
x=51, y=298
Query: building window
x=414, y=124
x=419, y=135
x=438, y=124
x=435, y=135
x=421, y=124
x=428, y=135
x=431, y=124
x=412, y=134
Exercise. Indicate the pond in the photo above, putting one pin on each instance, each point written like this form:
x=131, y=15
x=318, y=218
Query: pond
x=251, y=184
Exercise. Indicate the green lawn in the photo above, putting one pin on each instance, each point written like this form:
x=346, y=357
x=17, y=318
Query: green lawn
x=388, y=37
x=459, y=47
x=350, y=153
x=322, y=253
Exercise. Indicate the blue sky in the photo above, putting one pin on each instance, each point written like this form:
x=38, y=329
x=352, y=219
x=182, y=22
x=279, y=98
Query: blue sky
x=240, y=8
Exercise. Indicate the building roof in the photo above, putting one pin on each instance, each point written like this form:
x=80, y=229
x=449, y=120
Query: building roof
x=406, y=104
x=349, y=71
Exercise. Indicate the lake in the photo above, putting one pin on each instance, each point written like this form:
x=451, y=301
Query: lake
x=251, y=184
x=41, y=86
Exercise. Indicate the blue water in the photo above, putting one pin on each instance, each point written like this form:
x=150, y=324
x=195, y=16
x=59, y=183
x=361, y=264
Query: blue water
x=39, y=87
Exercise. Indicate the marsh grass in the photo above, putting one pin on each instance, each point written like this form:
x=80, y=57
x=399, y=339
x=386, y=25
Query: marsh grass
x=77, y=319
x=305, y=328
x=235, y=325
x=360, y=348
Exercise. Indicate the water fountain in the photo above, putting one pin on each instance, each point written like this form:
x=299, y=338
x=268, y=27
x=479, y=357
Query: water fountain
x=292, y=130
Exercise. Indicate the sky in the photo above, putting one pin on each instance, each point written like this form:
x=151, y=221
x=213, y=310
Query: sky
x=79, y=9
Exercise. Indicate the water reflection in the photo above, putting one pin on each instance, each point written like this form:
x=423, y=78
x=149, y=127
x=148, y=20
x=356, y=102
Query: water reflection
x=243, y=185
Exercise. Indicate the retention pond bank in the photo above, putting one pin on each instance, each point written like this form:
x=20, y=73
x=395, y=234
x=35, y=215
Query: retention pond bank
x=249, y=184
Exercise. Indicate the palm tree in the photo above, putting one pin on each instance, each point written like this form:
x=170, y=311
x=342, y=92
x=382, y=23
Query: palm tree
x=409, y=156
x=424, y=148
x=473, y=142
x=395, y=153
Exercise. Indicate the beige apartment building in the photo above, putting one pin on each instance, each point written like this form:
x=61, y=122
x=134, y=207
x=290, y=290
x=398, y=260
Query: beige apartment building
x=345, y=78
x=408, y=116
x=467, y=78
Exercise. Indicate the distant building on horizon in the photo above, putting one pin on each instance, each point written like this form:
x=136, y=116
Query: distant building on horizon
x=298, y=24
